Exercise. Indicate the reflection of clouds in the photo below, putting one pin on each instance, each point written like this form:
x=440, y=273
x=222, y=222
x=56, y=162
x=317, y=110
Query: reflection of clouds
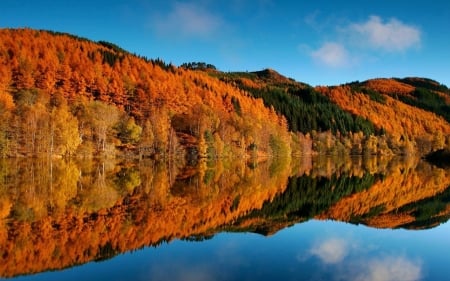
x=183, y=272
x=359, y=262
x=390, y=269
x=331, y=251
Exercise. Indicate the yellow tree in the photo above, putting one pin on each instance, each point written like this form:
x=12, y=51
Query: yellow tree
x=64, y=134
x=103, y=117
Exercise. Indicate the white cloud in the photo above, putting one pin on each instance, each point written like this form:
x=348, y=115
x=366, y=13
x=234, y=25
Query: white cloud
x=392, y=35
x=391, y=269
x=331, y=251
x=187, y=20
x=357, y=42
x=331, y=54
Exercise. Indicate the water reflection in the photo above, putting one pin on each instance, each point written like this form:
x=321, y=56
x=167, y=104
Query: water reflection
x=358, y=264
x=390, y=268
x=56, y=214
x=331, y=251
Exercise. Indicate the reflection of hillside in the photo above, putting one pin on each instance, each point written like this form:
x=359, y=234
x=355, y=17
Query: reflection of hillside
x=409, y=183
x=406, y=193
x=309, y=193
x=424, y=213
x=56, y=215
x=64, y=214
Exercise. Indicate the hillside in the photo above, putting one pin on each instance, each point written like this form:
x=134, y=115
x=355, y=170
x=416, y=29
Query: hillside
x=61, y=95
x=406, y=115
x=64, y=95
x=304, y=107
x=414, y=109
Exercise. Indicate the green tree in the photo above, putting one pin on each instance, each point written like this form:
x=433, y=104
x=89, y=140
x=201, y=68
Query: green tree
x=128, y=131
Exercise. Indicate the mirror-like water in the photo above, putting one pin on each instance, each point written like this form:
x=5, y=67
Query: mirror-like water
x=287, y=219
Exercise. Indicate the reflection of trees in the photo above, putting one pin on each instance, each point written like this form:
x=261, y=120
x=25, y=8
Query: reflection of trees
x=315, y=185
x=104, y=209
x=38, y=188
x=397, y=193
x=306, y=197
x=405, y=183
x=428, y=212
x=56, y=214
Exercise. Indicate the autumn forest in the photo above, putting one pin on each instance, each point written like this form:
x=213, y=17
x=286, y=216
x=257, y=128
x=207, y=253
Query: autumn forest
x=65, y=96
x=103, y=151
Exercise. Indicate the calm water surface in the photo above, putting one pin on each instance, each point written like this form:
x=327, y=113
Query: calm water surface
x=272, y=221
x=315, y=250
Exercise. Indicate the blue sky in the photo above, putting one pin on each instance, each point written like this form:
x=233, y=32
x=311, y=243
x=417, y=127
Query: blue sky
x=318, y=42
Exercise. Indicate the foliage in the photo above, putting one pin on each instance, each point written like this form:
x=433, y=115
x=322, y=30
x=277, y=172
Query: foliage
x=425, y=83
x=128, y=131
x=306, y=197
x=428, y=100
x=111, y=95
x=304, y=108
x=428, y=212
x=113, y=47
x=406, y=126
x=373, y=94
x=124, y=104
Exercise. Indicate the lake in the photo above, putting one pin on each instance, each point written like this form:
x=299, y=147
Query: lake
x=316, y=218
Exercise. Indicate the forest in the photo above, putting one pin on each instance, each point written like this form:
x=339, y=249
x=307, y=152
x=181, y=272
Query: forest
x=66, y=96
x=375, y=117
x=61, y=95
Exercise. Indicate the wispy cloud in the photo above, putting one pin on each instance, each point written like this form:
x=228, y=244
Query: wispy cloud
x=392, y=35
x=187, y=20
x=331, y=251
x=354, y=41
x=331, y=54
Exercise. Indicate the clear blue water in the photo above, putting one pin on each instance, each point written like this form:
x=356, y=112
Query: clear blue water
x=314, y=250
